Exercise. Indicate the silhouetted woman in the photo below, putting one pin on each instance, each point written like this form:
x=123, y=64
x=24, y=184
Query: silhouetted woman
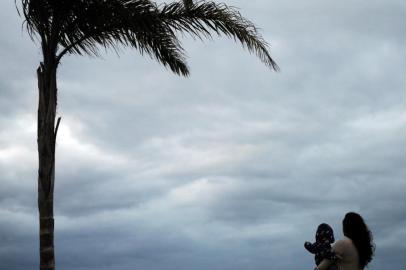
x=356, y=249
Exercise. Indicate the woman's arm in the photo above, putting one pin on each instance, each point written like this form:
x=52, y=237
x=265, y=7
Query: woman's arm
x=324, y=265
x=338, y=248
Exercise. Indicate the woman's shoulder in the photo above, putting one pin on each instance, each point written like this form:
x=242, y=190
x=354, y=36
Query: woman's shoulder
x=343, y=241
x=347, y=253
x=342, y=244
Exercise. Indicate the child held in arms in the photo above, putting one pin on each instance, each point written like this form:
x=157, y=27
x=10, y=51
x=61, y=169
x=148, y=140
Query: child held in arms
x=322, y=247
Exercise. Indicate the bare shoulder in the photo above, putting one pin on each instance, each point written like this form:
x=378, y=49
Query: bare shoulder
x=344, y=241
x=341, y=245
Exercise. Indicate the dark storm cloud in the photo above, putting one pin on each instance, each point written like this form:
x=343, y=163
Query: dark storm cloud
x=232, y=168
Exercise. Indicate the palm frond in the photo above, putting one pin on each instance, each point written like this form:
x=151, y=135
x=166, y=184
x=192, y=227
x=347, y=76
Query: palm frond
x=202, y=18
x=131, y=23
x=84, y=26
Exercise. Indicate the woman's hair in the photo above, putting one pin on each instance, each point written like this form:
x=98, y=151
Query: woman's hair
x=355, y=228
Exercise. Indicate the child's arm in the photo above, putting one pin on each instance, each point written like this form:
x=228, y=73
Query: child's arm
x=324, y=265
x=312, y=248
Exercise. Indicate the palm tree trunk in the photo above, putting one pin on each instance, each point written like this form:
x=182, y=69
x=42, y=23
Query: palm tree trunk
x=46, y=136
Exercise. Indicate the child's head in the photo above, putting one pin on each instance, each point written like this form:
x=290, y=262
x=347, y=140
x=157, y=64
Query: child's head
x=325, y=233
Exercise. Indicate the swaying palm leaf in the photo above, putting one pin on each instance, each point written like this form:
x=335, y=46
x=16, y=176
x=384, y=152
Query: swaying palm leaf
x=202, y=18
x=81, y=26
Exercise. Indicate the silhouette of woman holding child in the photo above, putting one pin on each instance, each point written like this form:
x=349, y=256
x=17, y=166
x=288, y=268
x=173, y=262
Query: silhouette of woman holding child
x=353, y=252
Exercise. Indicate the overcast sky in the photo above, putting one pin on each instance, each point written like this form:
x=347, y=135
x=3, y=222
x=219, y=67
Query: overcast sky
x=231, y=168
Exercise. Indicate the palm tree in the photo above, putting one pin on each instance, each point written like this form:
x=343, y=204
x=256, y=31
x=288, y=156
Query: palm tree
x=83, y=27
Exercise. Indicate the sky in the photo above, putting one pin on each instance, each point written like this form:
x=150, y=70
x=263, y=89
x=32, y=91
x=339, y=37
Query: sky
x=231, y=168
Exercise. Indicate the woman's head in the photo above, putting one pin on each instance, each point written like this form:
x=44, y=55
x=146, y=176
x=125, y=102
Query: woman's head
x=355, y=228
